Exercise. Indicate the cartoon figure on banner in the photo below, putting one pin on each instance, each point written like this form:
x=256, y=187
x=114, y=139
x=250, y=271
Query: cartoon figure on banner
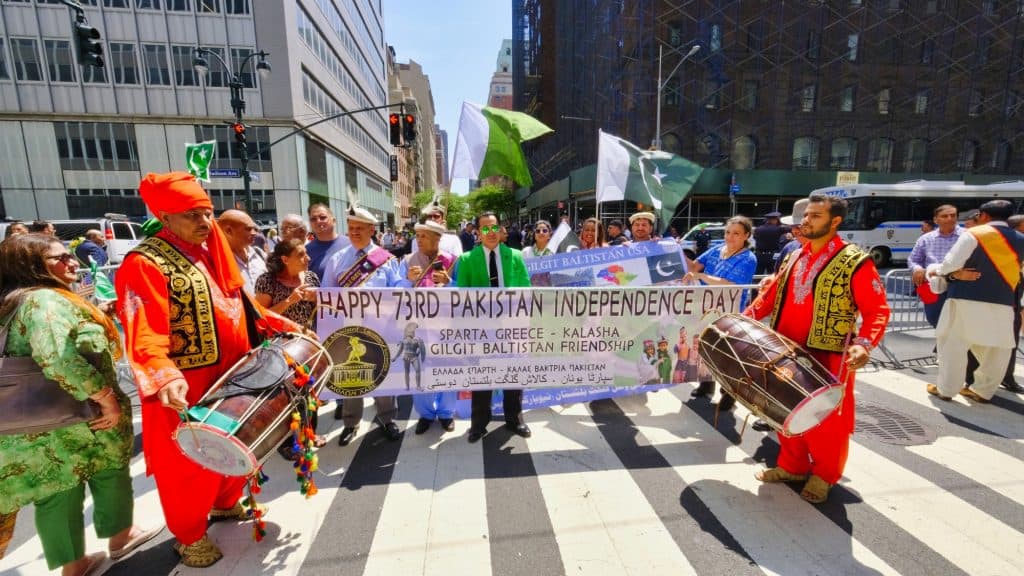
x=646, y=364
x=361, y=360
x=413, y=351
x=682, y=352
x=698, y=372
x=664, y=362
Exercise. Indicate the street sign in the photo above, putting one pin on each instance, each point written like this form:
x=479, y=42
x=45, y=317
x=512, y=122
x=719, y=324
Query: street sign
x=394, y=168
x=734, y=189
x=225, y=173
x=254, y=176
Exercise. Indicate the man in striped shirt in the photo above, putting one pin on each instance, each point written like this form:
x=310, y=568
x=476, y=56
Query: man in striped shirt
x=931, y=248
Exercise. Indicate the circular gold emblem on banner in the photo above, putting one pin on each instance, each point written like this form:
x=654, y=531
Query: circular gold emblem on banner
x=361, y=360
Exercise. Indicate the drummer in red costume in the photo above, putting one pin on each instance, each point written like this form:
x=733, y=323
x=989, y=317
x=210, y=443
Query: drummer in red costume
x=815, y=300
x=180, y=301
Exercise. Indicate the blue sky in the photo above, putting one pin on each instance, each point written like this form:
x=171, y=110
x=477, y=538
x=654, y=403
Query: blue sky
x=456, y=42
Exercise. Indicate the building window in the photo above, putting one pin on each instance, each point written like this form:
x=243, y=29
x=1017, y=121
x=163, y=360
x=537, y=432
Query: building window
x=157, y=71
x=844, y=154
x=805, y=153
x=968, y=156
x=976, y=105
x=813, y=44
x=931, y=6
x=927, y=50
x=754, y=37
x=921, y=101
x=749, y=99
x=217, y=76
x=988, y=7
x=147, y=4
x=807, y=98
x=106, y=146
x=914, y=159
x=1002, y=155
x=4, y=75
x=236, y=6
x=675, y=34
x=984, y=45
x=122, y=62
x=712, y=94
x=114, y=4
x=880, y=155
x=59, y=61
x=208, y=6
x=248, y=77
x=894, y=4
x=744, y=153
x=883, y=101
x=1012, y=104
x=179, y=5
x=847, y=98
x=184, y=73
x=26, y=60
x=671, y=93
x=852, y=42
x=716, y=38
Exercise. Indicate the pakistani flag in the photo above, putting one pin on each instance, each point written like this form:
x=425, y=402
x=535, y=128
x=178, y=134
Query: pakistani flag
x=564, y=239
x=651, y=177
x=198, y=158
x=104, y=287
x=488, y=143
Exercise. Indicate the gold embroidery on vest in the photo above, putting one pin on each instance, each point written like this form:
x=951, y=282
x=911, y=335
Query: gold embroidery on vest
x=835, y=314
x=193, y=331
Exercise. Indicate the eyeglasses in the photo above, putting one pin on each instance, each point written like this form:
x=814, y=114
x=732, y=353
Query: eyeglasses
x=65, y=258
x=490, y=229
x=542, y=231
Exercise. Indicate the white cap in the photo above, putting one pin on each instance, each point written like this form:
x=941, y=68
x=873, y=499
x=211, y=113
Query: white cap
x=639, y=215
x=363, y=215
x=431, y=226
x=798, y=212
x=432, y=207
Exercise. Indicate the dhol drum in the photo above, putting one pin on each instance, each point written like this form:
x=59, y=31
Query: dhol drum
x=770, y=374
x=247, y=412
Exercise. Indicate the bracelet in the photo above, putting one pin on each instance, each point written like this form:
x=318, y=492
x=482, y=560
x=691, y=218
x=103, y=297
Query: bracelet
x=862, y=341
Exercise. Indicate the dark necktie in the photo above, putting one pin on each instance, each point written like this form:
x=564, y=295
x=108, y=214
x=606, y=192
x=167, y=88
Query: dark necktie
x=360, y=254
x=492, y=268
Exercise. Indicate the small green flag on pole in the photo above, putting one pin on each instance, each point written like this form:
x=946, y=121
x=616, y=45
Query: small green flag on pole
x=198, y=158
x=104, y=287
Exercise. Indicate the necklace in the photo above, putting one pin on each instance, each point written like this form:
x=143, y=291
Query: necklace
x=804, y=281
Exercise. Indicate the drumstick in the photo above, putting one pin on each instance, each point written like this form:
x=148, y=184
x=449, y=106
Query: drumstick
x=195, y=439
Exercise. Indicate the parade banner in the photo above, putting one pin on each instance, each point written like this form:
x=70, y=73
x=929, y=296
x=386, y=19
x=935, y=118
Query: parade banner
x=639, y=264
x=404, y=341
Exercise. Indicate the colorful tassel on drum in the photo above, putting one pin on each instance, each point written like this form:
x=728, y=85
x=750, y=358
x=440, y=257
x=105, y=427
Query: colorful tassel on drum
x=255, y=486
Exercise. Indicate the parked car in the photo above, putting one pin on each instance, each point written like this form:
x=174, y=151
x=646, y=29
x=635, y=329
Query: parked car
x=122, y=234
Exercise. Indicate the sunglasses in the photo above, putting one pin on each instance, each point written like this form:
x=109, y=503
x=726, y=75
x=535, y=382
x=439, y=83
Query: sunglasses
x=542, y=231
x=65, y=258
x=490, y=229
x=436, y=216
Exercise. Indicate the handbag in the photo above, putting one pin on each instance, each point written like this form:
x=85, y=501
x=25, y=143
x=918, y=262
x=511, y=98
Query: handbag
x=30, y=403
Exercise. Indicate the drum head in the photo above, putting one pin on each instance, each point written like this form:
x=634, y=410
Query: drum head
x=815, y=408
x=214, y=449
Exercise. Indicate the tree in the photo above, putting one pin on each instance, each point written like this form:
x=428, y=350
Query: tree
x=493, y=198
x=455, y=205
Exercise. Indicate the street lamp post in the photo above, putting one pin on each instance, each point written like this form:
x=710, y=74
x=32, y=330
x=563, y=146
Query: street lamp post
x=202, y=65
x=661, y=86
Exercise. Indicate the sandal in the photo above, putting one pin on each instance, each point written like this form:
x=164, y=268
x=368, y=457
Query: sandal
x=816, y=490
x=779, y=475
x=99, y=562
x=133, y=544
x=319, y=441
x=199, y=554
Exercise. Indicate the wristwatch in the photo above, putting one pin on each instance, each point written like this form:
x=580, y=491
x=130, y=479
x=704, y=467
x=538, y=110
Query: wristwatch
x=862, y=341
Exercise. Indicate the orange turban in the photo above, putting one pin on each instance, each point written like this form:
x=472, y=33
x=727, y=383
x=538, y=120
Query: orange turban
x=172, y=193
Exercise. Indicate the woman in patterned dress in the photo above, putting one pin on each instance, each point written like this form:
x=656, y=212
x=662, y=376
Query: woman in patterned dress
x=75, y=345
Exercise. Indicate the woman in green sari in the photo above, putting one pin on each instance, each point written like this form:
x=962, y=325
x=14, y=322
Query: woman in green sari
x=75, y=345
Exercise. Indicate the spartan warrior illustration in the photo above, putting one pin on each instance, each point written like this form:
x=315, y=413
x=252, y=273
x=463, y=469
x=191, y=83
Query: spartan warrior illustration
x=413, y=351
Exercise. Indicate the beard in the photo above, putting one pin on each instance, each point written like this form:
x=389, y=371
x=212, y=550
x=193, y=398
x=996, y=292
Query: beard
x=812, y=233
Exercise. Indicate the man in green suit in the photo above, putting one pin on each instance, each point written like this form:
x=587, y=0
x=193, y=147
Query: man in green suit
x=492, y=264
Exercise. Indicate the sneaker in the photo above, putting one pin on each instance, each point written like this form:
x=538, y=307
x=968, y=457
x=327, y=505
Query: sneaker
x=423, y=424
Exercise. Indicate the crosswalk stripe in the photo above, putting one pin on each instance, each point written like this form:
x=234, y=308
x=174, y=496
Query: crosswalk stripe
x=601, y=519
x=997, y=471
x=434, y=517
x=912, y=389
x=770, y=521
x=934, y=515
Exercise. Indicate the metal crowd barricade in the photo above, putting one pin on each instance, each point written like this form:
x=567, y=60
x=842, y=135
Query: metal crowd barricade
x=906, y=309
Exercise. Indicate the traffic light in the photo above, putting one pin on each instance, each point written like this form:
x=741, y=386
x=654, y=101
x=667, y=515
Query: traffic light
x=243, y=149
x=395, y=123
x=87, y=40
x=409, y=128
